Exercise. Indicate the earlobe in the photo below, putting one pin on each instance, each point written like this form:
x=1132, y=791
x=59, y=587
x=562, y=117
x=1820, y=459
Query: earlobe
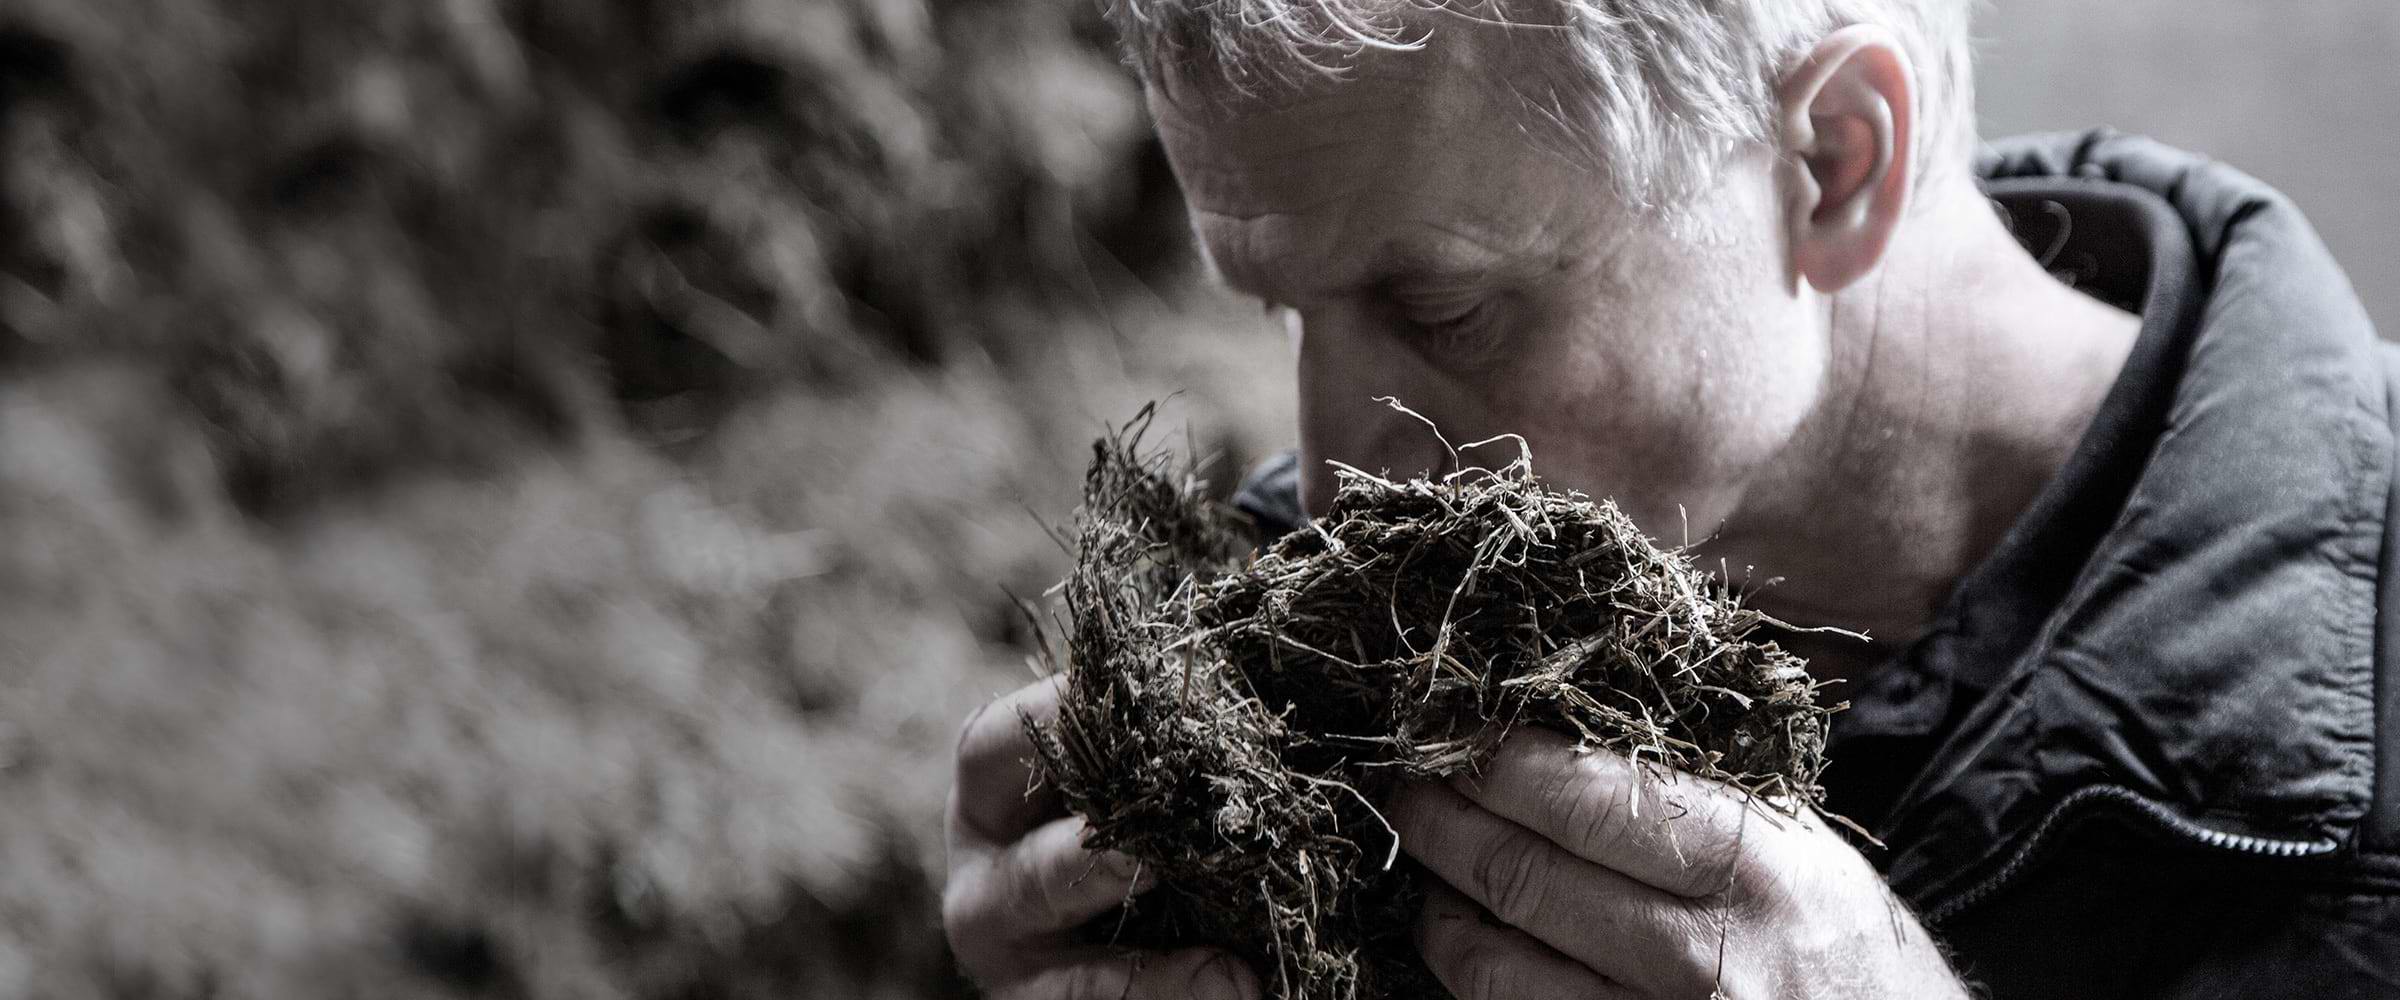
x=1848, y=122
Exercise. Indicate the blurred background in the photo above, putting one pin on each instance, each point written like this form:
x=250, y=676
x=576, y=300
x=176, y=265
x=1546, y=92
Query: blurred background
x=2304, y=94
x=513, y=498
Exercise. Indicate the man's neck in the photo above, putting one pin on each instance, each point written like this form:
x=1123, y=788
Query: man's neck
x=1961, y=377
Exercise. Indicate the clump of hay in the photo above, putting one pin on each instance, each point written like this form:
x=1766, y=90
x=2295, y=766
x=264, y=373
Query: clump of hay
x=1230, y=720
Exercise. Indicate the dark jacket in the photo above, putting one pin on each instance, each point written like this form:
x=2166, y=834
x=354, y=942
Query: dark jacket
x=2144, y=750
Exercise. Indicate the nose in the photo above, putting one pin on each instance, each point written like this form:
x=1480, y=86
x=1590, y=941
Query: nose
x=1345, y=363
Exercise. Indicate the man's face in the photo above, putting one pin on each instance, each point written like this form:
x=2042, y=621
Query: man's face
x=1429, y=248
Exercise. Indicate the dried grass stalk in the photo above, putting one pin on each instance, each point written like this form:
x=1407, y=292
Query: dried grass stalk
x=1229, y=720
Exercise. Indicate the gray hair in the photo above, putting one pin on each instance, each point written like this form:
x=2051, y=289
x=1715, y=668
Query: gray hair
x=1659, y=92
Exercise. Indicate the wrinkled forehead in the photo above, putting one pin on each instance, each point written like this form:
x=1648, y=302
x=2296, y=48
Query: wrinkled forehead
x=1421, y=161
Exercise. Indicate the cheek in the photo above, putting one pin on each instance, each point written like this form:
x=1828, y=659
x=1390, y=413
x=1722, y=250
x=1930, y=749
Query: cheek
x=1674, y=405
x=1765, y=378
x=1759, y=369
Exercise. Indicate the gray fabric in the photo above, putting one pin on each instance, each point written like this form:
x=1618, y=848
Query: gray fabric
x=1270, y=494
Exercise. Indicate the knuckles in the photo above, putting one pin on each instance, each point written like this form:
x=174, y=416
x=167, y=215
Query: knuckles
x=965, y=742
x=1750, y=876
x=1460, y=956
x=1697, y=933
x=1036, y=895
x=1513, y=873
x=966, y=923
x=957, y=920
x=1776, y=863
x=1597, y=819
x=1487, y=976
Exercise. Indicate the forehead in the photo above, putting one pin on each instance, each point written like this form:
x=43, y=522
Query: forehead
x=1434, y=159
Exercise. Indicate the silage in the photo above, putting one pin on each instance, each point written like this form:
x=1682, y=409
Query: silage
x=1231, y=721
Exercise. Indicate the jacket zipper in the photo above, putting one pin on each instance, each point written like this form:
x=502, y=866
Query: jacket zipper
x=2087, y=799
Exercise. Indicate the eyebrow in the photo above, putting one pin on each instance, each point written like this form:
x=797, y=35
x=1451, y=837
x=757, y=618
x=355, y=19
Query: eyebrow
x=1395, y=263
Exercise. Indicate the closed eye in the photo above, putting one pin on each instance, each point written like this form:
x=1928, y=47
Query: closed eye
x=1438, y=307
x=1450, y=317
x=1455, y=327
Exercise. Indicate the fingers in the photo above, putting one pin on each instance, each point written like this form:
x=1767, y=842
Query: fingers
x=1607, y=922
x=988, y=799
x=1191, y=974
x=1674, y=831
x=1045, y=882
x=1478, y=958
x=1021, y=878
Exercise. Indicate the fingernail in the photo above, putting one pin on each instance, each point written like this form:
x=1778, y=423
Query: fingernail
x=1223, y=978
x=1125, y=866
x=1139, y=876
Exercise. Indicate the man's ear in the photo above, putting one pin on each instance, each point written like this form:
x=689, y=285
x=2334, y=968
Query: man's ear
x=1848, y=117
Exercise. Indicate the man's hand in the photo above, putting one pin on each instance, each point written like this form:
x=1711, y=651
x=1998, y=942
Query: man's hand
x=1582, y=876
x=1021, y=880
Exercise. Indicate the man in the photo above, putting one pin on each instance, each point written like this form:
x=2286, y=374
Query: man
x=2113, y=508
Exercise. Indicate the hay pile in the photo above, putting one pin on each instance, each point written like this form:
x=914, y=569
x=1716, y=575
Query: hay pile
x=1230, y=720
